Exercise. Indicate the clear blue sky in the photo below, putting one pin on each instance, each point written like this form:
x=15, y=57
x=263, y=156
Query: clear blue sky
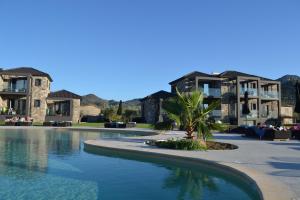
x=130, y=48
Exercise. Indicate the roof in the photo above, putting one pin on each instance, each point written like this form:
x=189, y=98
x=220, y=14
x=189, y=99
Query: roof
x=159, y=95
x=225, y=74
x=64, y=94
x=234, y=74
x=191, y=75
x=26, y=70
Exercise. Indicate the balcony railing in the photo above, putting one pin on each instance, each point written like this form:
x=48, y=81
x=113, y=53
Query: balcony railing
x=216, y=113
x=269, y=94
x=251, y=91
x=253, y=114
x=14, y=90
x=212, y=92
x=272, y=114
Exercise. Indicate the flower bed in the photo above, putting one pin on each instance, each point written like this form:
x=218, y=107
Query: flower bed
x=186, y=144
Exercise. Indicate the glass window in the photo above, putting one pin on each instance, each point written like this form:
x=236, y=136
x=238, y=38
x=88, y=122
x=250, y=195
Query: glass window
x=62, y=108
x=38, y=82
x=37, y=103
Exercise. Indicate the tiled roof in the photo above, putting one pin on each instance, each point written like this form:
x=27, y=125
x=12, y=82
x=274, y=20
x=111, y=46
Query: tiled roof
x=191, y=75
x=64, y=94
x=26, y=70
x=225, y=74
x=234, y=74
x=159, y=95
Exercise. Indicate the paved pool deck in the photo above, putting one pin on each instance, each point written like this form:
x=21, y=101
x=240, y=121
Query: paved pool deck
x=274, y=165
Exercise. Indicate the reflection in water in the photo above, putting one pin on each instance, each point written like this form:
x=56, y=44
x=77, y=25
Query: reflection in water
x=191, y=184
x=30, y=150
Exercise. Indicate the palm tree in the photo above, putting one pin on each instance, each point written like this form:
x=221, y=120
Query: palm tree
x=191, y=184
x=188, y=111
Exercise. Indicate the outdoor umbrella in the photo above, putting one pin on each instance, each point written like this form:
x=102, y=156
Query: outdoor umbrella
x=245, y=108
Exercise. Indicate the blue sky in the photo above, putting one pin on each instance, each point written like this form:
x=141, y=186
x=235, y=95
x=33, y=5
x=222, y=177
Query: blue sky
x=124, y=49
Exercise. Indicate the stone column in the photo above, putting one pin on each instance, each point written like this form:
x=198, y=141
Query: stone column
x=238, y=113
x=28, y=95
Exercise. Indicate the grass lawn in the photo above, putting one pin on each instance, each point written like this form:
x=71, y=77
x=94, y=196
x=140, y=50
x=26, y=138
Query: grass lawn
x=95, y=125
x=88, y=124
x=144, y=126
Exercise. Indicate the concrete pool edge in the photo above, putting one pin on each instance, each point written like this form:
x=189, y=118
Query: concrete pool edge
x=268, y=188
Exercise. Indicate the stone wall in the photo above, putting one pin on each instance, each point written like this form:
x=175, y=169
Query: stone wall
x=90, y=110
x=39, y=93
x=150, y=110
x=75, y=110
x=287, y=114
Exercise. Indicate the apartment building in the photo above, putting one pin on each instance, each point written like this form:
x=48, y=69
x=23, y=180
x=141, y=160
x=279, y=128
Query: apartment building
x=230, y=87
x=25, y=91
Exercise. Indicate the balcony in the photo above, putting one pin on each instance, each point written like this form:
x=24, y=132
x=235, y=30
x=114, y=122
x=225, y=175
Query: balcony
x=211, y=92
x=14, y=90
x=253, y=114
x=251, y=91
x=216, y=113
x=270, y=114
x=269, y=94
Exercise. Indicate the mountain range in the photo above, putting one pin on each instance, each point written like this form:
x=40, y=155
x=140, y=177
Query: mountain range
x=92, y=99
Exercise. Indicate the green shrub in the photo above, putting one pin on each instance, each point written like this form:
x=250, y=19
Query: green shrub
x=183, y=144
x=166, y=126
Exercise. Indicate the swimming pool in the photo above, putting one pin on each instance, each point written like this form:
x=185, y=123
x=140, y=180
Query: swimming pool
x=52, y=164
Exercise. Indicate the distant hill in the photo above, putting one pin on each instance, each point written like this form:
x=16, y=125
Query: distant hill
x=288, y=95
x=92, y=99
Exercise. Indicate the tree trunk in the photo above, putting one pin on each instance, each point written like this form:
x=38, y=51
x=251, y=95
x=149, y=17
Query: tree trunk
x=202, y=142
x=189, y=132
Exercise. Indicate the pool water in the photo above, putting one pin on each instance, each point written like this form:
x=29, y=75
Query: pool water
x=52, y=164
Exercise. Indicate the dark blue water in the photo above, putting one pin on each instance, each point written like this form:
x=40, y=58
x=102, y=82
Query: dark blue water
x=52, y=164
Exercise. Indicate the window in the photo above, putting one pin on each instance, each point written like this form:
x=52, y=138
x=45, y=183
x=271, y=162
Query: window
x=253, y=85
x=62, y=108
x=37, y=103
x=38, y=82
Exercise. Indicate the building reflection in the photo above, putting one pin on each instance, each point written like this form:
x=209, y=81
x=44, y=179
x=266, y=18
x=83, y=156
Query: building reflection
x=30, y=149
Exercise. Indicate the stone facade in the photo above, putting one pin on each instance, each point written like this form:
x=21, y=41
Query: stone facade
x=39, y=93
x=25, y=91
x=229, y=88
x=89, y=110
x=287, y=114
x=74, y=116
x=152, y=109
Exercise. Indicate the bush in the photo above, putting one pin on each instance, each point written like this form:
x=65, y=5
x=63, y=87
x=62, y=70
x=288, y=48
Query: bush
x=165, y=126
x=184, y=144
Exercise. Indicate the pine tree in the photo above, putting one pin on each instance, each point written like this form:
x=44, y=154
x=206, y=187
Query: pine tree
x=120, y=109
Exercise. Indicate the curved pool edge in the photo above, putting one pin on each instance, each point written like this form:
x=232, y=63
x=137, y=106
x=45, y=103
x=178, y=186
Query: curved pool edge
x=141, y=131
x=268, y=188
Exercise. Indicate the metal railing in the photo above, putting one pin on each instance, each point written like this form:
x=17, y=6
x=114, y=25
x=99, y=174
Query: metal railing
x=270, y=114
x=269, y=94
x=212, y=92
x=251, y=91
x=216, y=113
x=14, y=90
x=252, y=114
